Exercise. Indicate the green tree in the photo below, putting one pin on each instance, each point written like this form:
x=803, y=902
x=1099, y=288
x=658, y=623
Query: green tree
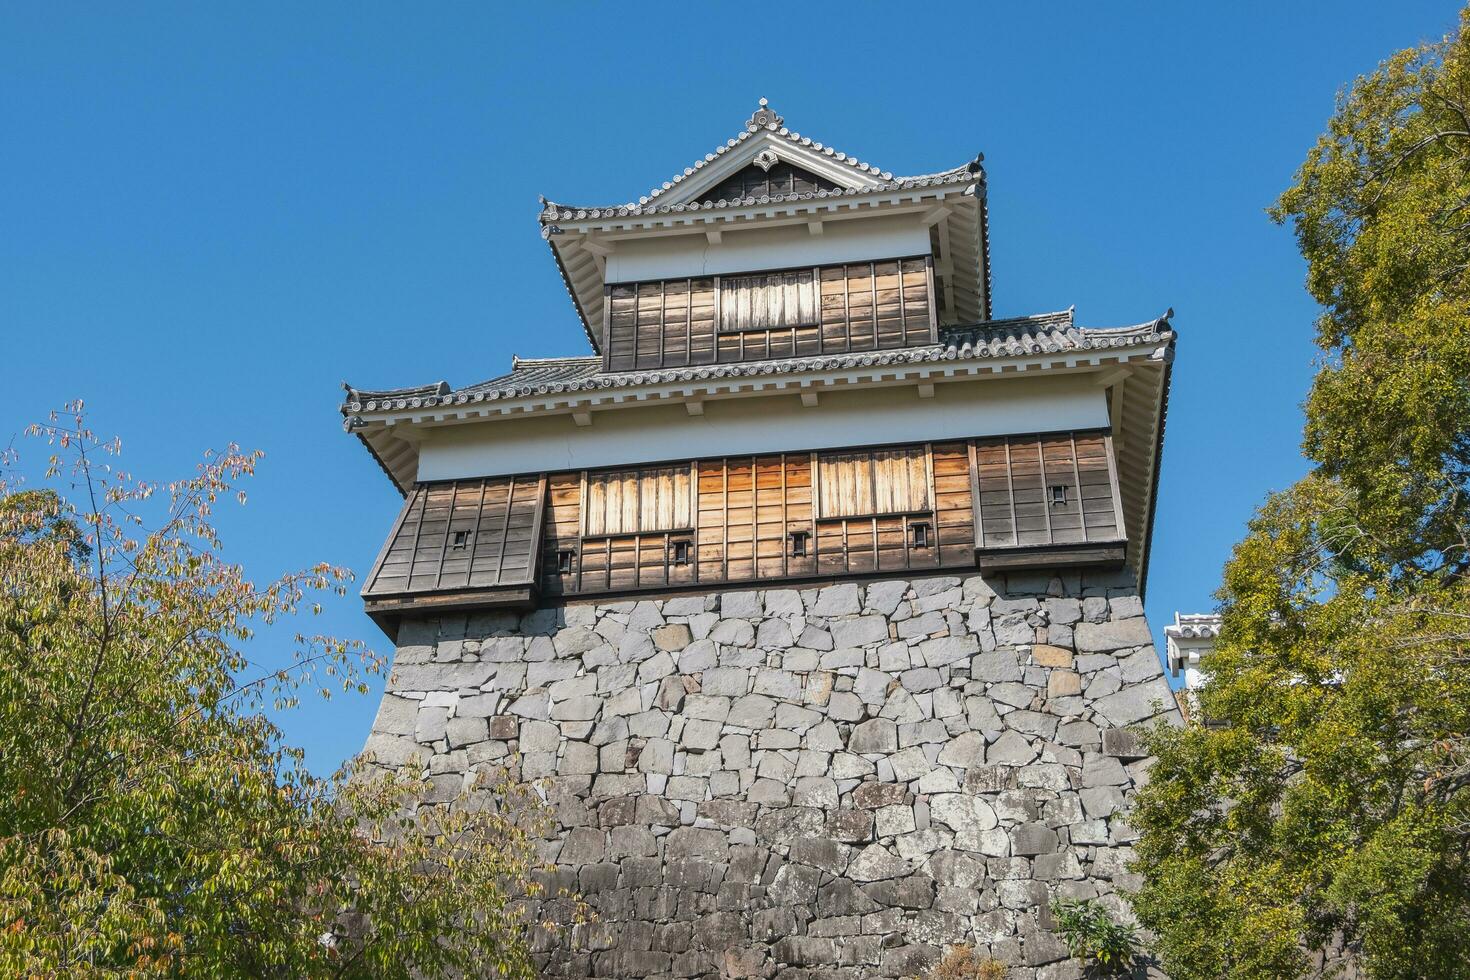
x=1326, y=822
x=152, y=822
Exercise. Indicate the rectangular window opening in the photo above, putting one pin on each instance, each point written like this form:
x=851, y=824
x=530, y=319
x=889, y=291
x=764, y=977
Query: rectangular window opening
x=921, y=535
x=861, y=484
x=658, y=498
x=681, y=552
x=1058, y=495
x=564, y=561
x=461, y=540
x=769, y=301
x=798, y=543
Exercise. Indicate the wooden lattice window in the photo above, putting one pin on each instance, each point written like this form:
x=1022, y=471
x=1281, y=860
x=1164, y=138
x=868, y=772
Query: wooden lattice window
x=886, y=481
x=634, y=501
x=769, y=301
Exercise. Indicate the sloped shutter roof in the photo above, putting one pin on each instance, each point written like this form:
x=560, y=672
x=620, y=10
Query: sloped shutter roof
x=464, y=534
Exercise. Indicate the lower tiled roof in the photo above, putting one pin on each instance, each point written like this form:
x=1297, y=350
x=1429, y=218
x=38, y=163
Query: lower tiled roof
x=1046, y=333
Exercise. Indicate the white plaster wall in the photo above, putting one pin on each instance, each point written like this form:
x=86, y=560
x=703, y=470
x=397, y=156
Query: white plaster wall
x=775, y=423
x=845, y=240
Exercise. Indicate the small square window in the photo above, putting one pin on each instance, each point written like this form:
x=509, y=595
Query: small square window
x=921, y=535
x=798, y=544
x=1058, y=495
x=461, y=540
x=564, y=561
x=681, y=552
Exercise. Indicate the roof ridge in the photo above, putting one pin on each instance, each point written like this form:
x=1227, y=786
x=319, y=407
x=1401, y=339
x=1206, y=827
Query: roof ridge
x=763, y=120
x=554, y=210
x=517, y=360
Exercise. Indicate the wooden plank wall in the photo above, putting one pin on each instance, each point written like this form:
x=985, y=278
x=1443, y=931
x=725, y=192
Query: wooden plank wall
x=757, y=518
x=864, y=306
x=747, y=510
x=781, y=179
x=466, y=534
x=1015, y=477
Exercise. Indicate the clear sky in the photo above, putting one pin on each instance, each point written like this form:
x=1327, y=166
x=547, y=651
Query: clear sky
x=211, y=215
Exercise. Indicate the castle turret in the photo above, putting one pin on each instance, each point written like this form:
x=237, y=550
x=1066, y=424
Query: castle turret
x=814, y=589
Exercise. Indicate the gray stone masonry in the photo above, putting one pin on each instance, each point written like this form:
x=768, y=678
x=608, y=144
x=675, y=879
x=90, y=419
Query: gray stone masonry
x=830, y=783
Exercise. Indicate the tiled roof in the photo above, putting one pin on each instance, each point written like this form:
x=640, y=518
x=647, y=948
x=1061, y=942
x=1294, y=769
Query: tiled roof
x=1047, y=333
x=764, y=120
x=968, y=173
x=1194, y=626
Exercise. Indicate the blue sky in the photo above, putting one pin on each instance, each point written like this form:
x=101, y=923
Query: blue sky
x=213, y=214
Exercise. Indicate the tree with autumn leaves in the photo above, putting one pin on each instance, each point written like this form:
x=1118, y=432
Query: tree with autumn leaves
x=1321, y=821
x=152, y=820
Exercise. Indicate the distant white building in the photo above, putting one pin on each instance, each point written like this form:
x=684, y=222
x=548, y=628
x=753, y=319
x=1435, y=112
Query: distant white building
x=1190, y=637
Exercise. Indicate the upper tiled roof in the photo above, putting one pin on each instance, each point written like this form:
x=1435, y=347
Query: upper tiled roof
x=968, y=173
x=764, y=120
x=1046, y=333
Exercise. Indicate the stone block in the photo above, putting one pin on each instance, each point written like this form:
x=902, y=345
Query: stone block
x=998, y=665
x=962, y=812
x=1123, y=743
x=837, y=600
x=1136, y=703
x=873, y=736
x=672, y=638
x=1112, y=635
x=794, y=884
x=862, y=631
x=778, y=684
x=875, y=863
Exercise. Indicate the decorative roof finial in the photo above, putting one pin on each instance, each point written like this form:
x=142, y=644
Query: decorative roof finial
x=764, y=116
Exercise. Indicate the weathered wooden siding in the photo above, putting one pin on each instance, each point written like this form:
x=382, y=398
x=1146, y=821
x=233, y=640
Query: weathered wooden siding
x=759, y=518
x=779, y=180
x=1016, y=479
x=864, y=306
x=467, y=534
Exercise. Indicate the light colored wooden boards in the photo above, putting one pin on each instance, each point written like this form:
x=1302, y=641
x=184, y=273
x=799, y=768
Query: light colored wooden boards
x=1045, y=500
x=840, y=308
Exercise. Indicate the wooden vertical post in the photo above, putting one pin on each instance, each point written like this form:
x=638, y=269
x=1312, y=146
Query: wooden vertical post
x=448, y=531
x=1077, y=478
x=1045, y=500
x=979, y=528
x=1011, y=492
x=510, y=499
x=933, y=310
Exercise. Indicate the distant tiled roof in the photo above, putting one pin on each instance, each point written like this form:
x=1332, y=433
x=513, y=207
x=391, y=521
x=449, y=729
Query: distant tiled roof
x=1194, y=626
x=1047, y=333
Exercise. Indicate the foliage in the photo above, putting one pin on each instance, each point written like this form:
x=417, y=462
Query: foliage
x=1093, y=937
x=1325, y=822
x=963, y=963
x=151, y=820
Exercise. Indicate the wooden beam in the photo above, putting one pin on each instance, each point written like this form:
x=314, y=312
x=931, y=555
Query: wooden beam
x=1115, y=414
x=1105, y=379
x=1052, y=557
x=935, y=215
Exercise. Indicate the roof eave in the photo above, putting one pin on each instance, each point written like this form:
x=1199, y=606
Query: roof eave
x=673, y=388
x=1153, y=493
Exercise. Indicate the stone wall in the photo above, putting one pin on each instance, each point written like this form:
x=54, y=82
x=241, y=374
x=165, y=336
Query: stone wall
x=834, y=782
